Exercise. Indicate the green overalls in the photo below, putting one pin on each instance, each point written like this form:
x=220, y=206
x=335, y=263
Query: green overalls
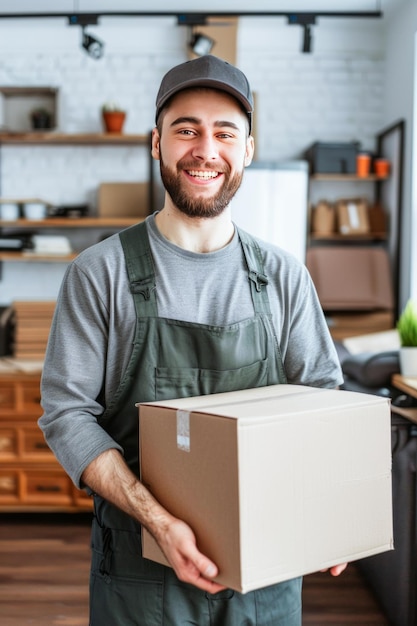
x=172, y=359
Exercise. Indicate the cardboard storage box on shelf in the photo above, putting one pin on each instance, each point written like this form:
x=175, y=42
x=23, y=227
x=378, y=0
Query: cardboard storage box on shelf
x=352, y=216
x=123, y=200
x=276, y=482
x=349, y=279
x=33, y=321
x=323, y=218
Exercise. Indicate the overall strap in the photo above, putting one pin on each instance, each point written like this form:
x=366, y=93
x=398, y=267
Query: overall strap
x=258, y=279
x=140, y=269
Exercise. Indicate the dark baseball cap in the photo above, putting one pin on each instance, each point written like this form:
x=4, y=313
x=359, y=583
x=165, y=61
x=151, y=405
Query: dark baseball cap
x=206, y=71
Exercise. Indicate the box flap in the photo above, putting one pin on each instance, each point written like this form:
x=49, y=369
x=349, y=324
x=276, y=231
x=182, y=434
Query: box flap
x=268, y=402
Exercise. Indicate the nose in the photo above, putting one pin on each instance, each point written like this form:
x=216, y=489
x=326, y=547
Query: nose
x=205, y=148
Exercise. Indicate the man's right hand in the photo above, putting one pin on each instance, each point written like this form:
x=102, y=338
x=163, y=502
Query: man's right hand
x=178, y=543
x=109, y=476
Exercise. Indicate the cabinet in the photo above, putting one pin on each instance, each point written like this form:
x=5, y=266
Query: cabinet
x=30, y=477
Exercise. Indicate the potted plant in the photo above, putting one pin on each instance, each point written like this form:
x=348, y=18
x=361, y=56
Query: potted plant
x=113, y=117
x=407, y=331
x=41, y=118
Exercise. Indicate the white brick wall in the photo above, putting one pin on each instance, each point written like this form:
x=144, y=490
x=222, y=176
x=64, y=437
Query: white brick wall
x=334, y=94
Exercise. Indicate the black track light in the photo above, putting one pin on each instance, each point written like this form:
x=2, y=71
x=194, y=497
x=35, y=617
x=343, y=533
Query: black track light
x=93, y=46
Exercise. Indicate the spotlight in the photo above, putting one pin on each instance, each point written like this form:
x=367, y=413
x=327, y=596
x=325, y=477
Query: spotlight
x=201, y=44
x=307, y=37
x=306, y=21
x=93, y=46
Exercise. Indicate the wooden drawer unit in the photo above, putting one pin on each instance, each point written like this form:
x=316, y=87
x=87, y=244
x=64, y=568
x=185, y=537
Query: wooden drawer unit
x=23, y=441
x=39, y=488
x=31, y=479
x=20, y=395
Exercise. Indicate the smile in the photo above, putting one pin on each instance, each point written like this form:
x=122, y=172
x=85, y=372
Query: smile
x=206, y=175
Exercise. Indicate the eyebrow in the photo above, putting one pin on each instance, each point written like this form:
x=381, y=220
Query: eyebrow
x=196, y=120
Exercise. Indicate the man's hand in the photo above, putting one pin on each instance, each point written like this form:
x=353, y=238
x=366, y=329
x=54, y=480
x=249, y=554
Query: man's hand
x=109, y=476
x=336, y=570
x=178, y=543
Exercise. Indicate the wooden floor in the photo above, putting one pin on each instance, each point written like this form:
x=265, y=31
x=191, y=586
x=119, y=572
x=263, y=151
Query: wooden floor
x=44, y=563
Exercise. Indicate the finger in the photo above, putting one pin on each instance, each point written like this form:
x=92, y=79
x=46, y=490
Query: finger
x=203, y=565
x=208, y=585
x=338, y=569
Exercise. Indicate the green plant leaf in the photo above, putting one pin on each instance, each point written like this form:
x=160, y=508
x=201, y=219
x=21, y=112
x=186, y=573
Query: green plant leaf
x=407, y=325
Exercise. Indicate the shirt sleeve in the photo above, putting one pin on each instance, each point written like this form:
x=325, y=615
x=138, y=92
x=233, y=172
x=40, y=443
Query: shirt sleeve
x=308, y=350
x=74, y=373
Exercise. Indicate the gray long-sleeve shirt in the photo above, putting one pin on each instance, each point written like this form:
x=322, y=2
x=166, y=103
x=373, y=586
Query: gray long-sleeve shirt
x=93, y=328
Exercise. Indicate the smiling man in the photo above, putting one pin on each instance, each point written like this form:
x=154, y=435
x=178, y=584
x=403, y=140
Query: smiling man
x=183, y=304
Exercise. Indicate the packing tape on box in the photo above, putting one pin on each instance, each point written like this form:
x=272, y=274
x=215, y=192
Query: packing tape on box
x=353, y=215
x=183, y=430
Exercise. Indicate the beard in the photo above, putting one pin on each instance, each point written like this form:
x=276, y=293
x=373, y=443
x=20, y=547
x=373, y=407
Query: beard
x=198, y=206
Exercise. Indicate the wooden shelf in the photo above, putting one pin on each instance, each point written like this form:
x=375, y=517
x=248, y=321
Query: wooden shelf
x=61, y=223
x=29, y=256
x=77, y=139
x=347, y=178
x=337, y=237
x=73, y=222
x=405, y=383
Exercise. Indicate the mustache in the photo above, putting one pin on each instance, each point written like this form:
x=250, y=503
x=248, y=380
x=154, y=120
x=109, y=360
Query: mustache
x=193, y=165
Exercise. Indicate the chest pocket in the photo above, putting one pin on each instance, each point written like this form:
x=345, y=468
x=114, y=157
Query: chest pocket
x=197, y=360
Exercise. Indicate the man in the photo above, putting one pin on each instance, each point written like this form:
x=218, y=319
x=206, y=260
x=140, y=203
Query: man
x=183, y=305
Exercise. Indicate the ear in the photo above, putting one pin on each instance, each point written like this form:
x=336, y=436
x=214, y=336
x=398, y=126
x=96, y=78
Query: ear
x=250, y=149
x=155, y=144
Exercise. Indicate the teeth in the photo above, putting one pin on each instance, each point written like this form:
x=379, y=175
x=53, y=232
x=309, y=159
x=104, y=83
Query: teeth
x=203, y=175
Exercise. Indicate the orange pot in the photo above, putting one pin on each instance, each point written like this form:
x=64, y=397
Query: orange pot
x=363, y=165
x=113, y=121
x=382, y=167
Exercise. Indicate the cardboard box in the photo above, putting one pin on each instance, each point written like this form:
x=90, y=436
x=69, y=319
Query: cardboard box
x=123, y=200
x=323, y=219
x=276, y=482
x=352, y=217
x=351, y=279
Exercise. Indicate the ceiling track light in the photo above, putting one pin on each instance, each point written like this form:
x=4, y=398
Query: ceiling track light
x=201, y=44
x=306, y=21
x=93, y=46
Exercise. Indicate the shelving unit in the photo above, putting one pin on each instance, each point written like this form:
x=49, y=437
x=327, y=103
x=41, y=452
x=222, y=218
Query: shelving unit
x=31, y=479
x=335, y=246
x=58, y=223
x=52, y=138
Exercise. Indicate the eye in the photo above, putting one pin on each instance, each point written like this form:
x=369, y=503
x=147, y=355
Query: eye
x=186, y=132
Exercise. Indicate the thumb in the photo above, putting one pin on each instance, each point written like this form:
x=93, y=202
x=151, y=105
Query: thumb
x=206, y=567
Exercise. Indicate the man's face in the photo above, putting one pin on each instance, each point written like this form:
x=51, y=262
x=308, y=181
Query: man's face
x=203, y=149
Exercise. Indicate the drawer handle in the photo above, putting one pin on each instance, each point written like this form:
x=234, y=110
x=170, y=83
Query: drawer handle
x=48, y=488
x=5, y=442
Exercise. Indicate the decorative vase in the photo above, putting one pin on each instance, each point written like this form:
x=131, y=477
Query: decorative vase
x=408, y=361
x=113, y=121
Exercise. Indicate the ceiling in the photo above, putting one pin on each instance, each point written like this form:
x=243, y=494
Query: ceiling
x=184, y=6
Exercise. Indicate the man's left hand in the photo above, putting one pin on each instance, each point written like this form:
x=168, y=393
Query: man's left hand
x=336, y=570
